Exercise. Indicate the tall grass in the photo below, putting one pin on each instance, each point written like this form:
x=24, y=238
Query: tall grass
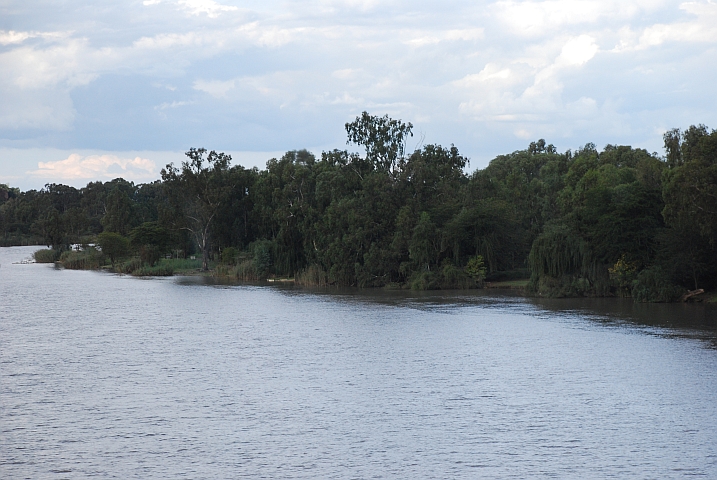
x=88, y=259
x=46, y=255
x=182, y=264
x=246, y=271
x=312, y=276
x=159, y=270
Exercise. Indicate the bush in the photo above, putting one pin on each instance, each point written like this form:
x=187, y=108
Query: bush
x=161, y=270
x=424, y=280
x=312, y=276
x=262, y=256
x=452, y=277
x=179, y=264
x=114, y=245
x=229, y=256
x=654, y=285
x=475, y=268
x=128, y=266
x=46, y=255
x=247, y=272
x=89, y=259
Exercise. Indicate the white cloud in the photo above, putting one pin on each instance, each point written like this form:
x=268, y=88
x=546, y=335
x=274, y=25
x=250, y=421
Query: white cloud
x=210, y=8
x=96, y=167
x=428, y=37
x=543, y=18
x=215, y=88
x=505, y=67
x=577, y=51
x=69, y=62
x=10, y=37
x=701, y=29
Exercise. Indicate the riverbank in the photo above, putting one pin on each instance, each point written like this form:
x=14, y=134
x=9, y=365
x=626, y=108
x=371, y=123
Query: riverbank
x=91, y=258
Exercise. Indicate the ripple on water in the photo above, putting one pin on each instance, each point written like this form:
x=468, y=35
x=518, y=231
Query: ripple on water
x=111, y=376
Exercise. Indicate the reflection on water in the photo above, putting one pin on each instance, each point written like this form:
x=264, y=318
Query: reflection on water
x=114, y=376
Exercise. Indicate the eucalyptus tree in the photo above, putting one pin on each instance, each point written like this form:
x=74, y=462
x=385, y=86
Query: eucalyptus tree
x=383, y=138
x=195, y=194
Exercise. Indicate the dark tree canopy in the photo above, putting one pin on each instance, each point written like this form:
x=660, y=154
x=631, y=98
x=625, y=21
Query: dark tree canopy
x=612, y=221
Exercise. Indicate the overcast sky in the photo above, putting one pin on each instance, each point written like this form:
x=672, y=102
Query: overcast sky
x=95, y=90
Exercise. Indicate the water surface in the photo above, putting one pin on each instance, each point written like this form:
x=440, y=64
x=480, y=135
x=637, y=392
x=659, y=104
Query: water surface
x=113, y=376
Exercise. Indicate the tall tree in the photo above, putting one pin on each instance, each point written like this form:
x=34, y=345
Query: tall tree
x=196, y=192
x=384, y=139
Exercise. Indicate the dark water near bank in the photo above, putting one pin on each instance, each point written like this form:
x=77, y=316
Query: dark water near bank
x=109, y=376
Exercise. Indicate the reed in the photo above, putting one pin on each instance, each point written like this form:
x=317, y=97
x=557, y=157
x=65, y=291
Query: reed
x=89, y=259
x=312, y=276
x=46, y=255
x=159, y=270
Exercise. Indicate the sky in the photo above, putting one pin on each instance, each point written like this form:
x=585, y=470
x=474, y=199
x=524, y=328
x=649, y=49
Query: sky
x=98, y=90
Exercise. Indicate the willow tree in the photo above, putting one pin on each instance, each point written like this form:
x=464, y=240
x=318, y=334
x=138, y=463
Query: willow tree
x=562, y=264
x=196, y=192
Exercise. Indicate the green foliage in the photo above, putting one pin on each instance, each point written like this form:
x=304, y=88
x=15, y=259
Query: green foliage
x=113, y=245
x=182, y=264
x=312, y=276
x=587, y=222
x=196, y=192
x=623, y=274
x=129, y=266
x=151, y=241
x=88, y=259
x=247, y=272
x=384, y=139
x=563, y=265
x=46, y=256
x=262, y=256
x=475, y=268
x=230, y=255
x=653, y=285
x=161, y=270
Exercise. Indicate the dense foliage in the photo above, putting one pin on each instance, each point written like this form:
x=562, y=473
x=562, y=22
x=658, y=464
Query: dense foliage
x=620, y=221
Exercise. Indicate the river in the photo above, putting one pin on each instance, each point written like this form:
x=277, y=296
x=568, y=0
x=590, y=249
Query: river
x=104, y=375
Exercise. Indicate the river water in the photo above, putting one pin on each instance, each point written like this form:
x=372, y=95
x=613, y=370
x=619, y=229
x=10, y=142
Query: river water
x=112, y=376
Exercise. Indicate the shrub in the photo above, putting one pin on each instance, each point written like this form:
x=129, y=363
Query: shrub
x=452, y=277
x=129, y=266
x=622, y=275
x=247, y=272
x=46, y=255
x=161, y=270
x=475, y=268
x=179, y=264
x=312, y=276
x=654, y=285
x=89, y=259
x=114, y=245
x=229, y=256
x=423, y=280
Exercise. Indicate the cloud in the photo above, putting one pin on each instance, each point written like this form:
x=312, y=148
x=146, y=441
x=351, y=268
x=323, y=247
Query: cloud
x=96, y=167
x=215, y=88
x=577, y=51
x=422, y=38
x=210, y=8
x=698, y=30
x=289, y=74
x=10, y=37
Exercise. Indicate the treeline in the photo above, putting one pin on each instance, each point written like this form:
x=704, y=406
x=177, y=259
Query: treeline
x=620, y=221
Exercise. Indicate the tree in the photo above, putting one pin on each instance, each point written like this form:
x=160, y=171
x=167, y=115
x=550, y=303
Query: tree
x=118, y=212
x=152, y=240
x=384, y=139
x=196, y=192
x=113, y=245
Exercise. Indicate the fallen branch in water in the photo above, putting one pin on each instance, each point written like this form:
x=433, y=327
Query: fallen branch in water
x=691, y=294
